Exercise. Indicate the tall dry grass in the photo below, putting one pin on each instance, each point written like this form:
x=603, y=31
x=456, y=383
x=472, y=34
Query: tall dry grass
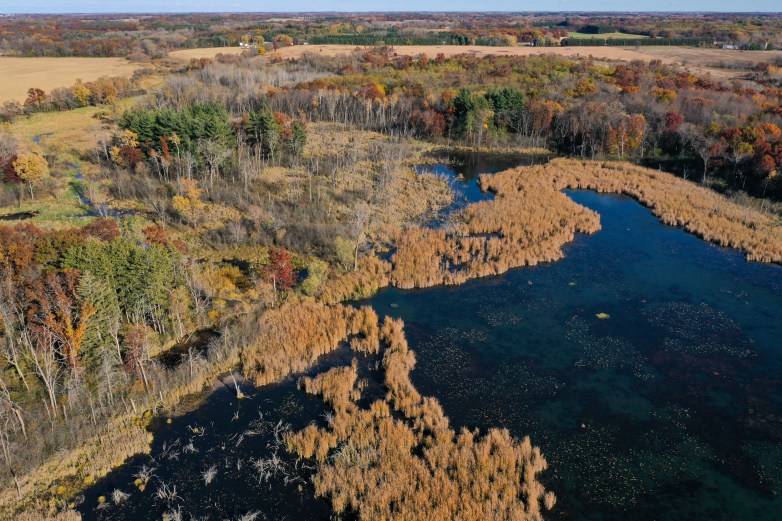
x=371, y=275
x=66, y=515
x=526, y=223
x=292, y=337
x=416, y=466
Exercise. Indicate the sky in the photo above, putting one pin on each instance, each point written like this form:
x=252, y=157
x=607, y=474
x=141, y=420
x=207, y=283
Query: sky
x=148, y=6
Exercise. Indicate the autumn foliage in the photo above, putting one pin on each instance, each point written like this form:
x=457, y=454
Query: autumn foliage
x=280, y=270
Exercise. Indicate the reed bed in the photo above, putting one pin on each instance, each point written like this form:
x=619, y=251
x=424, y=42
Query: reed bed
x=292, y=337
x=383, y=466
x=528, y=222
x=362, y=283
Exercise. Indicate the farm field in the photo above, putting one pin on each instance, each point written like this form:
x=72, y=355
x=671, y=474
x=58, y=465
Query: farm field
x=203, y=52
x=19, y=74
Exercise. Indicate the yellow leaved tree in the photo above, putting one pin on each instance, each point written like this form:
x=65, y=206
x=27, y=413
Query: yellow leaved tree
x=189, y=205
x=32, y=169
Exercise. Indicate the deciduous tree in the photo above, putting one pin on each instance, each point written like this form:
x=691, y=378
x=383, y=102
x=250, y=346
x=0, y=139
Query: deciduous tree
x=32, y=169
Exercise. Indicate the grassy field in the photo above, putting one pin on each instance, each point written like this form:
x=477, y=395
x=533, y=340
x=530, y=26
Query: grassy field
x=70, y=130
x=69, y=134
x=19, y=74
x=585, y=36
x=67, y=138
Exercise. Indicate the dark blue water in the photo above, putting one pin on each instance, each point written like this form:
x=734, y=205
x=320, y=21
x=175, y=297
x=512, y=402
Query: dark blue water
x=646, y=364
x=668, y=407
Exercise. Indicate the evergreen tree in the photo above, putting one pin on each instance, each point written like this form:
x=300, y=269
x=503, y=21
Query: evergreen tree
x=105, y=320
x=508, y=105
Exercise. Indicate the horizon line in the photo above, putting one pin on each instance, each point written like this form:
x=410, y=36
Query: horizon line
x=358, y=11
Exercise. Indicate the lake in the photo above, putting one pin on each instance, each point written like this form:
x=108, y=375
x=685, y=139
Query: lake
x=646, y=365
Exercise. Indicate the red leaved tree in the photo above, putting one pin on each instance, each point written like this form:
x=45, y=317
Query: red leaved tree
x=280, y=270
x=57, y=309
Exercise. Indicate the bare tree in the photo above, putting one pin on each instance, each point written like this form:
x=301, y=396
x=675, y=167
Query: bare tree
x=703, y=145
x=10, y=349
x=361, y=215
x=5, y=446
x=214, y=154
x=42, y=354
x=8, y=405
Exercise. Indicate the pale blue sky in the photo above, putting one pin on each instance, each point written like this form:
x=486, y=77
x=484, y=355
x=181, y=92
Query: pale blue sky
x=124, y=6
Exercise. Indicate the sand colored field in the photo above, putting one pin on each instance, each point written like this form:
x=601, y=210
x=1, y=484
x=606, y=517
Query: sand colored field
x=705, y=57
x=617, y=53
x=19, y=74
x=605, y=36
x=204, y=52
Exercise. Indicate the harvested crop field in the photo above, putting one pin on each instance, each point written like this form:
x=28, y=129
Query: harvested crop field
x=17, y=75
x=720, y=63
x=204, y=52
x=615, y=53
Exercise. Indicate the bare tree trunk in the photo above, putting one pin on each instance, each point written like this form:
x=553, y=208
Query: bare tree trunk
x=5, y=395
x=4, y=443
x=46, y=366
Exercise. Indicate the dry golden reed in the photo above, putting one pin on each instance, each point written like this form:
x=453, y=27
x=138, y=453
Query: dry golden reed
x=526, y=223
x=674, y=201
x=292, y=337
x=362, y=283
x=66, y=515
x=414, y=466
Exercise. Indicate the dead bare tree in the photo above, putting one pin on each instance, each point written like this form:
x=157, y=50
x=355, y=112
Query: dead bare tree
x=5, y=446
x=10, y=349
x=361, y=215
x=9, y=406
x=42, y=353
